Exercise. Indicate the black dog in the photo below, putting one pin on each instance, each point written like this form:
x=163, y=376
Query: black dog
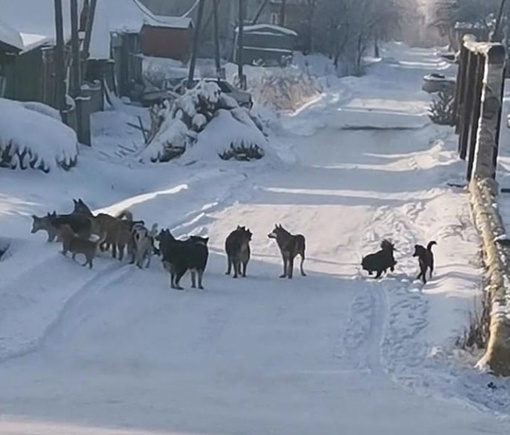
x=237, y=247
x=425, y=259
x=380, y=261
x=179, y=256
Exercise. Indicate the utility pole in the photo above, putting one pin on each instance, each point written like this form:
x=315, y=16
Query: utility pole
x=497, y=35
x=91, y=12
x=60, y=85
x=217, y=57
x=240, y=31
x=75, y=50
x=196, y=38
x=282, y=12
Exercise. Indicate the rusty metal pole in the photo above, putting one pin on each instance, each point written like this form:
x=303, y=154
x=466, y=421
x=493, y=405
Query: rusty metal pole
x=60, y=85
x=240, y=45
x=196, y=40
x=217, y=57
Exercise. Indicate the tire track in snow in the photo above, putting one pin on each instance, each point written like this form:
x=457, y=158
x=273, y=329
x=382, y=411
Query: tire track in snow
x=387, y=317
x=98, y=282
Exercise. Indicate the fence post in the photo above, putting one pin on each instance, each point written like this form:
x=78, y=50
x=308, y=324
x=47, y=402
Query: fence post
x=459, y=87
x=475, y=113
x=467, y=105
x=487, y=141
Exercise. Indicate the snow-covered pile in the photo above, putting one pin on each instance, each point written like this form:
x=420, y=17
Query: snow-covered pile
x=204, y=123
x=34, y=138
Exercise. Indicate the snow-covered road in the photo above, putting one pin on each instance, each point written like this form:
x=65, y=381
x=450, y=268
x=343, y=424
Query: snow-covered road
x=115, y=351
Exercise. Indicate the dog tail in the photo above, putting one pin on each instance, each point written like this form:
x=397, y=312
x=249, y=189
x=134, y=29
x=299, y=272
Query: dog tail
x=102, y=238
x=431, y=243
x=125, y=214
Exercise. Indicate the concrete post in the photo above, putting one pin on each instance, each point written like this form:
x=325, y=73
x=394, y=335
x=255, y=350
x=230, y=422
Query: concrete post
x=490, y=112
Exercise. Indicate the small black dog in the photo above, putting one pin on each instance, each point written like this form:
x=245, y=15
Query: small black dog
x=179, y=256
x=425, y=259
x=380, y=261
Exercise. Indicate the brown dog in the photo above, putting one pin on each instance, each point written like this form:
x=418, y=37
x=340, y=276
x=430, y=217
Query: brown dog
x=78, y=245
x=290, y=246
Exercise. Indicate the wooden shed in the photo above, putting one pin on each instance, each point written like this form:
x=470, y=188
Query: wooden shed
x=266, y=44
x=172, y=39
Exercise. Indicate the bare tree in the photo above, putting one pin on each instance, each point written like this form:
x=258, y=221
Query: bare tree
x=346, y=28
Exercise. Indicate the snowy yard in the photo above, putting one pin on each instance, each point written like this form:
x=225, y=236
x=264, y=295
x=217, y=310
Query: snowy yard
x=114, y=351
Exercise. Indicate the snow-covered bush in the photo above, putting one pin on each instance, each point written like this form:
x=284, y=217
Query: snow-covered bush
x=284, y=88
x=204, y=123
x=33, y=138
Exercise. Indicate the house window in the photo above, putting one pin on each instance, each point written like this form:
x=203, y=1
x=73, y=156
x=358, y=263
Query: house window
x=275, y=18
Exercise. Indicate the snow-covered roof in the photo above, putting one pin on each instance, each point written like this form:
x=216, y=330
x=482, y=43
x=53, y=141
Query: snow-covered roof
x=34, y=20
x=259, y=28
x=10, y=36
x=125, y=16
x=38, y=26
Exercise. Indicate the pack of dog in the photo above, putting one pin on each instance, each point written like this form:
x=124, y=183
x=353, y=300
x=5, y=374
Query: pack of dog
x=121, y=232
x=381, y=260
x=290, y=245
x=179, y=256
x=237, y=247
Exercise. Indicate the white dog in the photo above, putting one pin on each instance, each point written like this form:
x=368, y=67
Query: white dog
x=143, y=244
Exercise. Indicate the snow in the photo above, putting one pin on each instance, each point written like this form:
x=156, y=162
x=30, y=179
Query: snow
x=35, y=20
x=36, y=130
x=115, y=351
x=10, y=36
x=261, y=27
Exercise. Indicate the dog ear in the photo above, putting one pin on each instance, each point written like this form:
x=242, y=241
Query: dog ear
x=34, y=217
x=75, y=202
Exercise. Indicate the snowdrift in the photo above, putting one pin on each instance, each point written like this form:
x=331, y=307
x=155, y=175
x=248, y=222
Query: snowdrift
x=34, y=138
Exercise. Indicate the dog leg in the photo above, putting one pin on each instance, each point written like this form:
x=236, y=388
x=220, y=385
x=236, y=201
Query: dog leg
x=378, y=274
x=193, y=279
x=290, y=269
x=284, y=268
x=229, y=265
x=178, y=277
x=200, y=276
x=149, y=256
x=121, y=252
x=245, y=265
x=301, y=265
x=114, y=250
x=73, y=256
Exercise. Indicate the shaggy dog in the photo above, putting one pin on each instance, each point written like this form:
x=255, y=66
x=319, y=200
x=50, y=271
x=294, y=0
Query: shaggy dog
x=179, y=256
x=381, y=260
